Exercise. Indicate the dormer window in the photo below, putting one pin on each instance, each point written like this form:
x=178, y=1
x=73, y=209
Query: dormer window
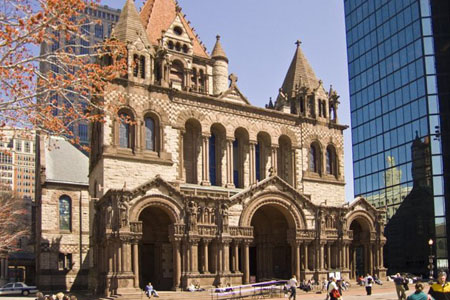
x=185, y=48
x=170, y=45
x=178, y=30
x=178, y=47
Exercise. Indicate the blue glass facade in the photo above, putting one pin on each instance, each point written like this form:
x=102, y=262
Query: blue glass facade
x=395, y=102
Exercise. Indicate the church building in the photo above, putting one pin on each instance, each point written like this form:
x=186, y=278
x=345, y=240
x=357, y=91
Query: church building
x=191, y=183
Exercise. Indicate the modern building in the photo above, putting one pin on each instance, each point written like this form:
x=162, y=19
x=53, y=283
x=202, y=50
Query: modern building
x=99, y=23
x=17, y=176
x=398, y=58
x=203, y=187
x=17, y=156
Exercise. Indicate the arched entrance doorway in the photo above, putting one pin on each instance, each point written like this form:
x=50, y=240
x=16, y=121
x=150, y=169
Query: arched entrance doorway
x=360, y=249
x=270, y=253
x=155, y=250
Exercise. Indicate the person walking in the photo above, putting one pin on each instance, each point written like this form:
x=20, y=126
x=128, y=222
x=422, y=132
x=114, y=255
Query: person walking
x=419, y=294
x=399, y=286
x=292, y=287
x=333, y=290
x=441, y=289
x=368, y=282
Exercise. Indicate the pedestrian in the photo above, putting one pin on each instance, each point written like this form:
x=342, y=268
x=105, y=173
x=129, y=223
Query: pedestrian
x=441, y=289
x=292, y=287
x=325, y=286
x=333, y=290
x=399, y=286
x=368, y=283
x=150, y=291
x=418, y=294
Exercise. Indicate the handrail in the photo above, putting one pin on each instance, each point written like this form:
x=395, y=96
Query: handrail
x=248, y=290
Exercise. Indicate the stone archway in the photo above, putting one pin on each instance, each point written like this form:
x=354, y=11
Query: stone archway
x=360, y=248
x=270, y=252
x=155, y=249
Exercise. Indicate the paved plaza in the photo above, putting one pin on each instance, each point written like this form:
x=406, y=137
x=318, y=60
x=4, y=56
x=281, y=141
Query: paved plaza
x=384, y=292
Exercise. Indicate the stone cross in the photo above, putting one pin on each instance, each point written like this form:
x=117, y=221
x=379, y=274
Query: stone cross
x=233, y=78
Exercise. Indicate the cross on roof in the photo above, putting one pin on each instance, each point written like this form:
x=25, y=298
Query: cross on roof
x=233, y=79
x=298, y=43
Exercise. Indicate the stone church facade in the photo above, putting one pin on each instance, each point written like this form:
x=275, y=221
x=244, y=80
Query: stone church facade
x=191, y=183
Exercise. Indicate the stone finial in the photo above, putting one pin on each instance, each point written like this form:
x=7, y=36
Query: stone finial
x=298, y=43
x=218, y=37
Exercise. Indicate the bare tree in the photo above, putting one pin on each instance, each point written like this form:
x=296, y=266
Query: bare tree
x=51, y=90
x=13, y=220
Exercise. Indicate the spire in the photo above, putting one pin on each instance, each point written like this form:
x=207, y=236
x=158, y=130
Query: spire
x=218, y=51
x=158, y=15
x=129, y=27
x=300, y=73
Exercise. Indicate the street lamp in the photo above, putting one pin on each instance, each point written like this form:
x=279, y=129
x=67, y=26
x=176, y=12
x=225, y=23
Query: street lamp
x=430, y=259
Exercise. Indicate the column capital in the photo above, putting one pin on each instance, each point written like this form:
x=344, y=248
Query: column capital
x=252, y=142
x=230, y=139
x=206, y=135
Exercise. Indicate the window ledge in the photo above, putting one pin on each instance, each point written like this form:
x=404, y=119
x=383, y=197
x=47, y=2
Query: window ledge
x=326, y=178
x=142, y=156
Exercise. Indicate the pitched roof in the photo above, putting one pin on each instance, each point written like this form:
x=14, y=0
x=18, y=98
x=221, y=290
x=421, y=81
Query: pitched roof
x=218, y=51
x=64, y=163
x=129, y=27
x=300, y=73
x=158, y=15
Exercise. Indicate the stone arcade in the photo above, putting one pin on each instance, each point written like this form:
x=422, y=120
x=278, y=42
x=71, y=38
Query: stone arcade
x=203, y=187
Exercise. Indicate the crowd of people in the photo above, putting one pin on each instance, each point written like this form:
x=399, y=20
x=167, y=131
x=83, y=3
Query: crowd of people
x=58, y=296
x=333, y=287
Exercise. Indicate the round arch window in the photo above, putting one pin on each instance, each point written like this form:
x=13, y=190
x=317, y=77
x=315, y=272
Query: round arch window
x=178, y=30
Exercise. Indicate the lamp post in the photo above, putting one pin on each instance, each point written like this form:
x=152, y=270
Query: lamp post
x=431, y=259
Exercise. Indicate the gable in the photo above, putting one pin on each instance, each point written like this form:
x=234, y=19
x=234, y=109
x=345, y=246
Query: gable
x=233, y=94
x=158, y=16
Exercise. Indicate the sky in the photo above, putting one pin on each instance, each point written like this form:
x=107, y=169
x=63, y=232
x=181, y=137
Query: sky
x=259, y=38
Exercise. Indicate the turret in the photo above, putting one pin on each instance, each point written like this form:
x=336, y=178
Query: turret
x=220, y=69
x=130, y=31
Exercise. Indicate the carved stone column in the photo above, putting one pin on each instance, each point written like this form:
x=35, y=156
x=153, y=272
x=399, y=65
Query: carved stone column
x=176, y=245
x=119, y=257
x=205, y=161
x=305, y=256
x=293, y=169
x=136, y=264
x=229, y=156
x=322, y=256
x=246, y=264
x=205, y=267
x=226, y=255
x=296, y=255
x=274, y=159
x=193, y=256
x=235, y=258
x=181, y=174
x=328, y=256
x=381, y=256
x=2, y=268
x=252, y=171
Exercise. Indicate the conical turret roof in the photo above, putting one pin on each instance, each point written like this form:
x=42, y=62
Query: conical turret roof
x=300, y=73
x=218, y=51
x=158, y=15
x=129, y=27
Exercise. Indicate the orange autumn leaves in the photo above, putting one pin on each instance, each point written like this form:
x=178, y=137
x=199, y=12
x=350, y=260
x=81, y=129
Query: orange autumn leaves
x=63, y=83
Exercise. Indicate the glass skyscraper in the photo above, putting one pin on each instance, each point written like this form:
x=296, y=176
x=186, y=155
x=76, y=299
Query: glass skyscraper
x=398, y=59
